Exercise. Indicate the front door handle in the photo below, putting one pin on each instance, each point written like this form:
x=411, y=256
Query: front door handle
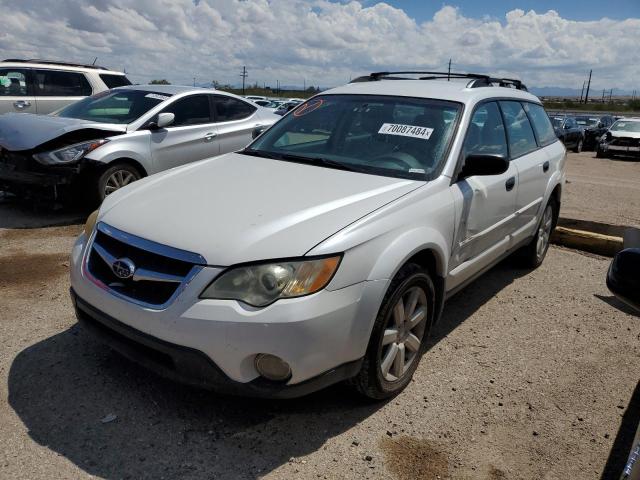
x=510, y=183
x=210, y=136
x=545, y=166
x=21, y=104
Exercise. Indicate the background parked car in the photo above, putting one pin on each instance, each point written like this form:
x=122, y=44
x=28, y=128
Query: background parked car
x=568, y=131
x=623, y=138
x=43, y=86
x=286, y=107
x=106, y=141
x=594, y=127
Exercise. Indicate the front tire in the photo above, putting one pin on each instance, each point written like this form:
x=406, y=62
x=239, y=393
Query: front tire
x=578, y=147
x=109, y=180
x=399, y=334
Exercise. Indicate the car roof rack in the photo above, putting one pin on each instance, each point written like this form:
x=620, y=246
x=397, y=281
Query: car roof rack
x=54, y=62
x=477, y=80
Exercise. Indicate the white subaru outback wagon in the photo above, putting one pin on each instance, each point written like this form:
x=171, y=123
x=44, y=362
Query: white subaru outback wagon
x=325, y=250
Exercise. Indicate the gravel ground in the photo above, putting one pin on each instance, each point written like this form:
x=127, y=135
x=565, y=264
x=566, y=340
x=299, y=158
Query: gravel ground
x=529, y=376
x=602, y=190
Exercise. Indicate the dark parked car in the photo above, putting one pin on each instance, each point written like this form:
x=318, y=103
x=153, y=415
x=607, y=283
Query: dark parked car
x=594, y=127
x=568, y=131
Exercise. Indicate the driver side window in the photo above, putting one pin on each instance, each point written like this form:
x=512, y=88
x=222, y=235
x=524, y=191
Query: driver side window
x=485, y=134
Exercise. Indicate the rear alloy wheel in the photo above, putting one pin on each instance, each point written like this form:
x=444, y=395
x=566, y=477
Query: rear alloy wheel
x=533, y=254
x=398, y=338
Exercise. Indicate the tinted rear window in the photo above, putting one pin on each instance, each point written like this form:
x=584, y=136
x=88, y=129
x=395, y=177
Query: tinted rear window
x=54, y=83
x=113, y=81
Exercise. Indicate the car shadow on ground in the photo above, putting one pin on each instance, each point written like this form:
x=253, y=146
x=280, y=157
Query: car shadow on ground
x=16, y=213
x=62, y=387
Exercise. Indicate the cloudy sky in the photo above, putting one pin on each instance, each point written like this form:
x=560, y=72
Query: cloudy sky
x=325, y=43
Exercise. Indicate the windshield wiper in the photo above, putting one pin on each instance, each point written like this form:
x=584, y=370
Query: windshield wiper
x=325, y=162
x=260, y=153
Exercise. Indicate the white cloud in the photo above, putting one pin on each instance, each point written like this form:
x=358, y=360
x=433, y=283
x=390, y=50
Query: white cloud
x=321, y=41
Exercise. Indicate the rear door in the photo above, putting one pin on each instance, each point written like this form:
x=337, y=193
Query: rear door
x=191, y=137
x=235, y=121
x=55, y=89
x=16, y=91
x=531, y=160
x=488, y=202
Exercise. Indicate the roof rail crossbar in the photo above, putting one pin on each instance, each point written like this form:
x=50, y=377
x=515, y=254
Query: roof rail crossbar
x=54, y=62
x=477, y=79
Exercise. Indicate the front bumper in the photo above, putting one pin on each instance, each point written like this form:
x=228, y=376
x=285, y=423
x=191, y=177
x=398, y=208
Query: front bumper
x=320, y=336
x=190, y=366
x=20, y=174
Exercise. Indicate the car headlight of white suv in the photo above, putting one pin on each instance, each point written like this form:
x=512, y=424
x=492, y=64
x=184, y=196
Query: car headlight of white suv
x=262, y=284
x=68, y=154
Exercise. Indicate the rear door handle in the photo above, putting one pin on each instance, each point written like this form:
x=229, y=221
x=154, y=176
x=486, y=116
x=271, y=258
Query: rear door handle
x=510, y=183
x=545, y=166
x=210, y=136
x=20, y=104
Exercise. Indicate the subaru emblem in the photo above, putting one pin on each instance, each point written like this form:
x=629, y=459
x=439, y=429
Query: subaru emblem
x=123, y=268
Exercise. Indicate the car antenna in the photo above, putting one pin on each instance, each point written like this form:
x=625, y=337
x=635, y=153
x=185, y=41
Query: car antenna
x=94, y=61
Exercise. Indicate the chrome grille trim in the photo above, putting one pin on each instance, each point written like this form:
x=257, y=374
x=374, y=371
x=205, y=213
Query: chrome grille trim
x=142, y=274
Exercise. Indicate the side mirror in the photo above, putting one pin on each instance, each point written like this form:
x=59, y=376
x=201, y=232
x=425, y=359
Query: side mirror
x=623, y=279
x=484, y=164
x=165, y=119
x=258, y=130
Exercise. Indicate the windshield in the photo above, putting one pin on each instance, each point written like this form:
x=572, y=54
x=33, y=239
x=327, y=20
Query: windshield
x=587, y=121
x=114, y=106
x=626, y=126
x=392, y=136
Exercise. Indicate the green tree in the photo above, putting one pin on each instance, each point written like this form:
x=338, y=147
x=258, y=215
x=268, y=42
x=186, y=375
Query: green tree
x=160, y=82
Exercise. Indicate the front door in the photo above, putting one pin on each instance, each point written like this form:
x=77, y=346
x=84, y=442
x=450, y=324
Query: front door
x=192, y=136
x=16, y=91
x=486, y=204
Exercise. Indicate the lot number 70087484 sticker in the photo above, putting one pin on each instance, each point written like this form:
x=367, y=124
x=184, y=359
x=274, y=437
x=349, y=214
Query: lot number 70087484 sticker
x=406, y=130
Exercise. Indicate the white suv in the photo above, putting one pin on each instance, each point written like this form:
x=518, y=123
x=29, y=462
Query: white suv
x=325, y=250
x=44, y=86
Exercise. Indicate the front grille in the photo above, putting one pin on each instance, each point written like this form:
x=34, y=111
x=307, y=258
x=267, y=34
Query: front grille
x=16, y=161
x=625, y=142
x=159, y=272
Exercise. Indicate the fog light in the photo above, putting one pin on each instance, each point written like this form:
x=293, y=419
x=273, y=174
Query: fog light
x=272, y=367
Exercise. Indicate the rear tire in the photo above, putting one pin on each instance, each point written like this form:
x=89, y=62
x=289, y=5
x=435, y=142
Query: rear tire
x=534, y=253
x=399, y=335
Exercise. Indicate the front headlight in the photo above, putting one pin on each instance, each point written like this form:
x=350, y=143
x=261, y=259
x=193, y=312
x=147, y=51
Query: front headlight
x=69, y=154
x=262, y=284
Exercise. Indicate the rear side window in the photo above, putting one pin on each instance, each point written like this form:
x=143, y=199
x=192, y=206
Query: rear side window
x=228, y=108
x=113, y=81
x=541, y=124
x=191, y=110
x=13, y=83
x=52, y=83
x=519, y=131
x=486, y=132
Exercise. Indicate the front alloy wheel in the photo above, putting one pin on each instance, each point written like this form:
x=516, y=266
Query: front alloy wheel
x=403, y=335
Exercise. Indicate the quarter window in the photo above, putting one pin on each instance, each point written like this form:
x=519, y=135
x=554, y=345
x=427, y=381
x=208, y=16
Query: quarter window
x=191, y=110
x=53, y=83
x=113, y=81
x=541, y=124
x=519, y=131
x=486, y=132
x=228, y=108
x=13, y=83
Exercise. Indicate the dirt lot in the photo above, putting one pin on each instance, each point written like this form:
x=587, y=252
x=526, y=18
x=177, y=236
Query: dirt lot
x=602, y=190
x=530, y=375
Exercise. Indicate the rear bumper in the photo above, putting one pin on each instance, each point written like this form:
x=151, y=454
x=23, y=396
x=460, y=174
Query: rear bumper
x=191, y=366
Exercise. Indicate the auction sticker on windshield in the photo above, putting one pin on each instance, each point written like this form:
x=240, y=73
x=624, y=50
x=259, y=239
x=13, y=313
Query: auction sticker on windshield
x=406, y=130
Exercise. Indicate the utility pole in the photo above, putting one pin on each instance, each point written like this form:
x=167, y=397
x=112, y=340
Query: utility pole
x=244, y=75
x=194, y=81
x=610, y=95
x=582, y=92
x=586, y=97
x=449, y=72
x=603, y=95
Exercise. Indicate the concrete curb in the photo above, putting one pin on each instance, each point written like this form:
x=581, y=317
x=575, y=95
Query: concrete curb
x=593, y=242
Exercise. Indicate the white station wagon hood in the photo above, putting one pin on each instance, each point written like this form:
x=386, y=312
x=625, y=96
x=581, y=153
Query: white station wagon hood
x=238, y=208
